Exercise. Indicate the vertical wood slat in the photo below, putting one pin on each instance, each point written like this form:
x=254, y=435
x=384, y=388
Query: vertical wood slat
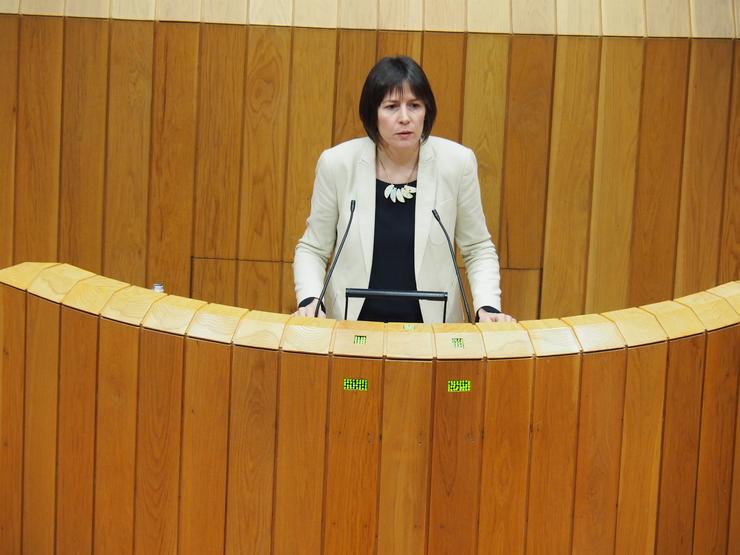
x=553, y=452
x=623, y=17
x=127, y=165
x=299, y=490
x=395, y=43
x=578, y=17
x=443, y=59
x=357, y=14
x=729, y=256
x=214, y=281
x=158, y=442
x=133, y=9
x=85, y=84
x=224, y=11
x=172, y=155
x=521, y=293
x=456, y=458
x=9, y=26
x=526, y=151
x=533, y=17
x=271, y=12
x=206, y=386
x=489, y=16
x=352, y=458
x=39, y=137
x=404, y=474
x=178, y=10
x=355, y=57
x=42, y=7
x=317, y=13
x=712, y=20
x=668, y=18
x=401, y=14
x=506, y=444
x=12, y=378
x=40, y=433
x=87, y=8
x=702, y=182
x=258, y=286
x=440, y=15
x=219, y=142
x=254, y=380
x=570, y=179
x=265, y=143
x=657, y=189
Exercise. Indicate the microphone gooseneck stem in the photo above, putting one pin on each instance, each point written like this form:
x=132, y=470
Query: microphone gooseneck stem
x=454, y=265
x=336, y=257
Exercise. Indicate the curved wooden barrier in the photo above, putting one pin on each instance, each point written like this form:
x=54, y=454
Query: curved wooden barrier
x=132, y=421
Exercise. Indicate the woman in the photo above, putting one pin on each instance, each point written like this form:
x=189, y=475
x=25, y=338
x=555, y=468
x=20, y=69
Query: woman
x=397, y=175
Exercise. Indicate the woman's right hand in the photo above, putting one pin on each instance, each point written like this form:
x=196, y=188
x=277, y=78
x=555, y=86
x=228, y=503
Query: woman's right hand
x=309, y=310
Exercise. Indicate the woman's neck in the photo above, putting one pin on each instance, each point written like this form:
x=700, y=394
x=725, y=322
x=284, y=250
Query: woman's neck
x=398, y=159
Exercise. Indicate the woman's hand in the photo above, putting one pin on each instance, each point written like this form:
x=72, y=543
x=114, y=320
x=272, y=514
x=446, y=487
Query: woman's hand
x=485, y=316
x=309, y=310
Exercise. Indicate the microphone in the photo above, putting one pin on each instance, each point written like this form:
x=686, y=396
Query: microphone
x=454, y=264
x=336, y=257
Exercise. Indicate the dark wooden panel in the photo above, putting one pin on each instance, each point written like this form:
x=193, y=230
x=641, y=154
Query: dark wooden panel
x=443, y=59
x=254, y=376
x=508, y=417
x=258, y=285
x=219, y=147
x=214, y=280
x=456, y=458
x=405, y=457
x=352, y=458
x=85, y=87
x=39, y=132
x=172, y=155
x=356, y=55
x=78, y=363
x=287, y=294
x=299, y=488
x=680, y=445
x=526, y=152
x=9, y=25
x=159, y=413
x=520, y=295
x=400, y=43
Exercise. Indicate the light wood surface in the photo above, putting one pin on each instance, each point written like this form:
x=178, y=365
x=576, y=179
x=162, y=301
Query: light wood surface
x=176, y=10
x=87, y=8
x=22, y=275
x=489, y=17
x=505, y=340
x=43, y=7
x=361, y=339
x=130, y=305
x=668, y=18
x=271, y=12
x=578, y=17
x=409, y=341
x=729, y=291
x=623, y=17
x=260, y=329
x=637, y=326
x=357, y=14
x=225, y=11
x=322, y=13
x=92, y=294
x=171, y=314
x=132, y=9
x=443, y=16
x=215, y=322
x=401, y=14
x=676, y=319
x=458, y=341
x=551, y=337
x=595, y=332
x=715, y=19
x=55, y=282
x=713, y=312
x=533, y=17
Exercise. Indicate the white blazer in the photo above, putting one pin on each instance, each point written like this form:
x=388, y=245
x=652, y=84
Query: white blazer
x=447, y=180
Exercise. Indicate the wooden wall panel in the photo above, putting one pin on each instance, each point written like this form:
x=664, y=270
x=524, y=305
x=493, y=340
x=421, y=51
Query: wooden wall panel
x=78, y=363
x=158, y=440
x=83, y=142
x=40, y=433
x=203, y=459
x=570, y=179
x=172, y=156
x=317, y=13
x=42, y=7
x=87, y=8
x=129, y=142
x=623, y=17
x=39, y=132
x=489, y=16
x=133, y=9
x=219, y=144
x=299, y=489
x=403, y=518
x=683, y=392
x=657, y=190
x=265, y=144
x=179, y=10
x=704, y=162
x=395, y=43
x=578, y=17
x=443, y=59
x=554, y=436
x=401, y=14
x=271, y=12
x=484, y=118
x=9, y=26
x=533, y=17
x=668, y=18
x=253, y=419
x=214, y=280
x=288, y=301
x=440, y=15
x=358, y=14
x=10, y=6
x=712, y=19
x=729, y=254
x=352, y=458
x=526, y=152
x=615, y=161
x=520, y=293
x=115, y=454
x=225, y=11
x=258, y=285
x=355, y=57
x=504, y=487
x=310, y=123
x=12, y=392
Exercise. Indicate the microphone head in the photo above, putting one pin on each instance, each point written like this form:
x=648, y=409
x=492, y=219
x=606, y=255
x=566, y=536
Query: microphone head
x=435, y=214
x=352, y=205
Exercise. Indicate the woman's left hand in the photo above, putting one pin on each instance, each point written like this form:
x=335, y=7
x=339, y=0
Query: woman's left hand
x=485, y=316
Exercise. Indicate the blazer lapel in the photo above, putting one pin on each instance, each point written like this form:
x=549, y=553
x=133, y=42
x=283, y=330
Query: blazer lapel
x=365, y=210
x=426, y=193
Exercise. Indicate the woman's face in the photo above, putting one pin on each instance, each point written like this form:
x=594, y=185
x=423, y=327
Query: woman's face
x=401, y=119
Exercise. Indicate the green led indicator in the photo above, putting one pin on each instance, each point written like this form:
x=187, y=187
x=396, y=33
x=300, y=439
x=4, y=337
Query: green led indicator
x=360, y=340
x=409, y=327
x=458, y=386
x=458, y=342
x=355, y=384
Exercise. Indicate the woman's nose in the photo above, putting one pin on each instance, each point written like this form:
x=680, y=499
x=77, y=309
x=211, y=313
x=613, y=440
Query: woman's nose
x=403, y=113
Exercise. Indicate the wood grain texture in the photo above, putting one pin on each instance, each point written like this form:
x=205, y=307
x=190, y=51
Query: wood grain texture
x=729, y=254
x=40, y=420
x=570, y=176
x=456, y=458
x=716, y=441
x=288, y=302
x=265, y=143
x=87, y=8
x=401, y=14
x=533, y=17
x=623, y=17
x=115, y=445
x=158, y=442
x=271, y=12
x=258, y=285
x=520, y=293
x=440, y=15
x=127, y=163
x=712, y=19
x=318, y=13
x=642, y=431
x=179, y=10
x=702, y=180
x=205, y=428
x=83, y=142
x=578, y=17
x=484, y=117
x=214, y=280
x=353, y=457
x=12, y=393
x=553, y=453
x=599, y=448
x=506, y=444
x=133, y=9
x=9, y=6
x=405, y=462
x=9, y=27
x=225, y=11
x=355, y=57
x=39, y=132
x=615, y=161
x=299, y=489
x=668, y=18
x=219, y=143
x=443, y=59
x=683, y=392
x=394, y=43
x=78, y=364
x=309, y=124
x=358, y=14
x=489, y=16
x=254, y=378
x=526, y=152
x=172, y=156
x=42, y=7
